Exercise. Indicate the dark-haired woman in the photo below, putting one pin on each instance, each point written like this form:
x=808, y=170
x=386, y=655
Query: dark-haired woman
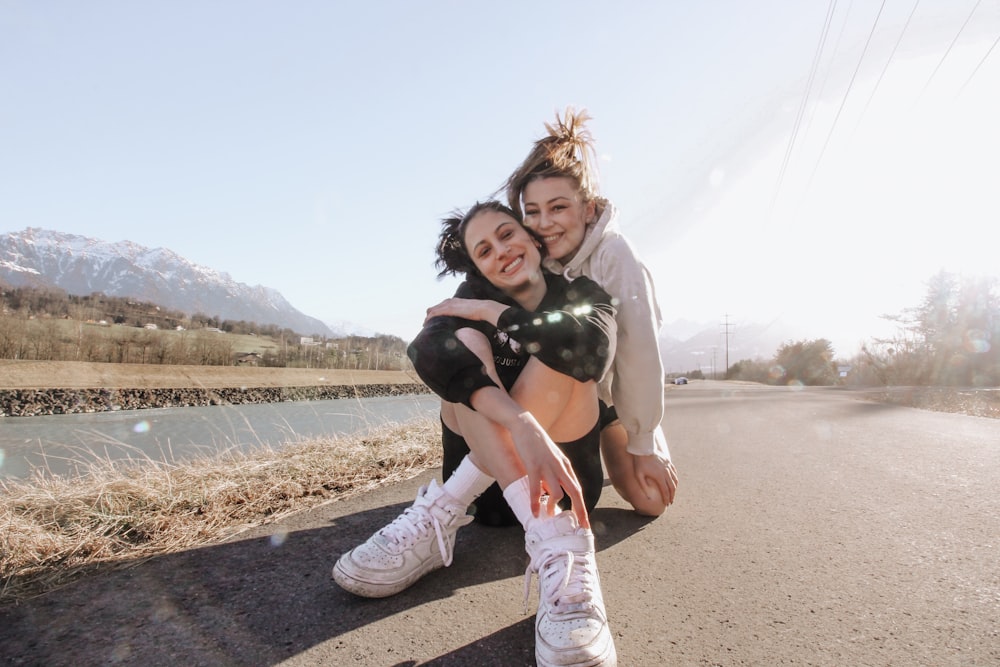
x=516, y=357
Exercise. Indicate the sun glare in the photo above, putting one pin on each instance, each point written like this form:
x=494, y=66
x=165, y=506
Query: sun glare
x=874, y=199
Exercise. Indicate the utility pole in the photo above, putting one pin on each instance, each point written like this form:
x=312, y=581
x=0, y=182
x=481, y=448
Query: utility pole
x=726, y=326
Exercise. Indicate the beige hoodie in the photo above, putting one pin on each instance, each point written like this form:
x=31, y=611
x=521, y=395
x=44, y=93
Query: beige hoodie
x=634, y=384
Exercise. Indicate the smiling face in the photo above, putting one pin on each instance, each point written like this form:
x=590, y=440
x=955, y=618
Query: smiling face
x=503, y=251
x=555, y=208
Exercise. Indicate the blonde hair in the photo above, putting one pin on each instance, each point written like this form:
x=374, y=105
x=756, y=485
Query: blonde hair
x=568, y=152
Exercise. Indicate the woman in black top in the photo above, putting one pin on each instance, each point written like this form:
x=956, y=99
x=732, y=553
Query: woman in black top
x=515, y=356
x=524, y=331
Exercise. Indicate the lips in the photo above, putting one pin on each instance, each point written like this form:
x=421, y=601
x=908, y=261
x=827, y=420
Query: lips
x=513, y=266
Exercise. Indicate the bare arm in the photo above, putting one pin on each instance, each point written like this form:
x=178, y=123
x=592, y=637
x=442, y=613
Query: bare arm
x=469, y=309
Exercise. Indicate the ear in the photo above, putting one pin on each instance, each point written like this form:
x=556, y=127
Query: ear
x=591, y=211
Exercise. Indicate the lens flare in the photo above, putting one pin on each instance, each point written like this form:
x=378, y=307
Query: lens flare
x=976, y=341
x=164, y=611
x=278, y=538
x=121, y=653
x=141, y=427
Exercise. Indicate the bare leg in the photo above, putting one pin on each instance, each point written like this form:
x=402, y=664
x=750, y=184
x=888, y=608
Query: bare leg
x=565, y=408
x=621, y=469
x=491, y=448
x=422, y=538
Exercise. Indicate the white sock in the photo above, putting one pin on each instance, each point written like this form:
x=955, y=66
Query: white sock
x=519, y=499
x=467, y=482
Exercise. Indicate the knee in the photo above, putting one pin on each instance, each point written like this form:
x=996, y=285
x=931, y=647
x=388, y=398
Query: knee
x=640, y=502
x=647, y=507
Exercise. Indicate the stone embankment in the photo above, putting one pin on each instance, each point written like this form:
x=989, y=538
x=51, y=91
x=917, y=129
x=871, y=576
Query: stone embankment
x=35, y=402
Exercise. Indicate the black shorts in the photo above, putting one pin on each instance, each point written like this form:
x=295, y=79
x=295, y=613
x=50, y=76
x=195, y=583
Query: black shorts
x=492, y=509
x=608, y=415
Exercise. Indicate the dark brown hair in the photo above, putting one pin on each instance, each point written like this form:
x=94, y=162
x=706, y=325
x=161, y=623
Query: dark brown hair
x=453, y=257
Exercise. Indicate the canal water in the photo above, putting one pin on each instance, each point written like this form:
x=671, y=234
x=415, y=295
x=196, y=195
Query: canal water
x=60, y=443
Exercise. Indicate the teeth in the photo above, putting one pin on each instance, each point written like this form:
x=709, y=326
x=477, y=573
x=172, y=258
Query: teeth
x=513, y=265
x=550, y=239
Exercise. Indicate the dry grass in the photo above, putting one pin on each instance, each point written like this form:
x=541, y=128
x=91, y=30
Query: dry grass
x=966, y=401
x=53, y=529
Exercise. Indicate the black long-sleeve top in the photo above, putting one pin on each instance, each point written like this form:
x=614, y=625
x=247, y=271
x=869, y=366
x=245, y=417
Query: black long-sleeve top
x=573, y=332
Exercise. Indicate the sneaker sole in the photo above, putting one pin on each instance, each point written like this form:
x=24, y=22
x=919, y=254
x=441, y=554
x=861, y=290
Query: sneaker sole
x=379, y=589
x=608, y=659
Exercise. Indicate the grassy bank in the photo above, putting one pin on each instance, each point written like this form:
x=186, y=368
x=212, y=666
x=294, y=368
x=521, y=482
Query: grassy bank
x=54, y=529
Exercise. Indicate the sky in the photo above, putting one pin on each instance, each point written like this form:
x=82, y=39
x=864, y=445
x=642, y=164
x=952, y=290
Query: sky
x=806, y=161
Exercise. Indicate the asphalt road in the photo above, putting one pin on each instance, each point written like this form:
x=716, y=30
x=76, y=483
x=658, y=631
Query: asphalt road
x=811, y=528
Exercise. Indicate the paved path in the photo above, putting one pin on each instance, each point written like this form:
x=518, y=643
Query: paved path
x=811, y=528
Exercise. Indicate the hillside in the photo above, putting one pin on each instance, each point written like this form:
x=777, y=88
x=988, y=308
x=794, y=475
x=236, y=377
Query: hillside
x=81, y=265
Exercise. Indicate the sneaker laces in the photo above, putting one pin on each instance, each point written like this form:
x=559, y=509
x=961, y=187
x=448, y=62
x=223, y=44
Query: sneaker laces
x=565, y=580
x=414, y=523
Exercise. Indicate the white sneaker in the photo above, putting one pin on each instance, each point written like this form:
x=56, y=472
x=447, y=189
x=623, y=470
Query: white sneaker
x=418, y=541
x=571, y=627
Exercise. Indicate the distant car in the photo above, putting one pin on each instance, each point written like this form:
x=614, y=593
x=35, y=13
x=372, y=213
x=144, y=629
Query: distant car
x=680, y=380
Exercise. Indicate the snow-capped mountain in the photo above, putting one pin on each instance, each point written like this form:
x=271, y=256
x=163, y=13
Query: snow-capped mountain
x=81, y=265
x=343, y=328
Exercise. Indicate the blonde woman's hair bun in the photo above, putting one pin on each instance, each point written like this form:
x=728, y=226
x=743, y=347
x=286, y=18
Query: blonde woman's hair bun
x=566, y=151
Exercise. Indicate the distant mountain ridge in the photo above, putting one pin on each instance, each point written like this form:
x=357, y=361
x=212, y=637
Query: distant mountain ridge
x=81, y=265
x=686, y=346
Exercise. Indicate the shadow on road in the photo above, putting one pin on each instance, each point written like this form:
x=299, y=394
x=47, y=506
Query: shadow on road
x=262, y=600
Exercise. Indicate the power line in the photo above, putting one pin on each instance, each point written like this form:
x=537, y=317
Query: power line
x=833, y=57
x=888, y=62
x=805, y=101
x=843, y=101
x=948, y=50
x=980, y=64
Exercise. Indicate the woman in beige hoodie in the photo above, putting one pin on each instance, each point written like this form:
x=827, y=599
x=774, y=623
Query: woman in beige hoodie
x=556, y=188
